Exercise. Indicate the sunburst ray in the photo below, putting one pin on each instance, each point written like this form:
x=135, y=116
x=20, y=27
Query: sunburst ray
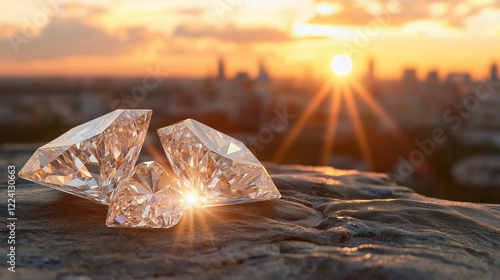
x=358, y=126
x=299, y=125
x=335, y=100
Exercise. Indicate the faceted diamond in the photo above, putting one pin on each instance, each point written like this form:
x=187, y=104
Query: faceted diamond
x=149, y=197
x=89, y=160
x=219, y=167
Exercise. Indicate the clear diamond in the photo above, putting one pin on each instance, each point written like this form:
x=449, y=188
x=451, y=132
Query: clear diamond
x=219, y=167
x=89, y=160
x=149, y=197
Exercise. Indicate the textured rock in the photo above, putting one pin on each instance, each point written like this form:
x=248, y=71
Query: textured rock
x=329, y=224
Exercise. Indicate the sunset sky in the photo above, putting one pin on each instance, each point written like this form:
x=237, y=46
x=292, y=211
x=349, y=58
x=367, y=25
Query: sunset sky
x=296, y=38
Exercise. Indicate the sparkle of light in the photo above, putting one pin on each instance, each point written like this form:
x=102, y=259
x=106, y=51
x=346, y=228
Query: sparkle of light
x=341, y=64
x=190, y=199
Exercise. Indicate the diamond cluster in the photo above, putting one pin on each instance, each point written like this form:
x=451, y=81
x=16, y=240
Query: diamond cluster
x=149, y=197
x=96, y=161
x=91, y=159
x=220, y=168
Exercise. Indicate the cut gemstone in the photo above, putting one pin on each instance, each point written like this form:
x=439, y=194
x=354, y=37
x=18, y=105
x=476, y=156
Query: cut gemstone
x=220, y=168
x=90, y=160
x=149, y=197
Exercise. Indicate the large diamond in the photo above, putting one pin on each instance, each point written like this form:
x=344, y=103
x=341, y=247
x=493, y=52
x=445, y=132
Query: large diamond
x=149, y=197
x=220, y=168
x=89, y=160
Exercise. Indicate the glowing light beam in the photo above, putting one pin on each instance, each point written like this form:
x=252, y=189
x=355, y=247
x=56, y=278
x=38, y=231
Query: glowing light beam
x=297, y=128
x=367, y=98
x=358, y=127
x=335, y=100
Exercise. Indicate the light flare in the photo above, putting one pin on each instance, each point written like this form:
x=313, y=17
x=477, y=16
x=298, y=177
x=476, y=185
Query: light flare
x=335, y=100
x=191, y=199
x=358, y=127
x=297, y=128
x=377, y=109
x=349, y=88
x=341, y=64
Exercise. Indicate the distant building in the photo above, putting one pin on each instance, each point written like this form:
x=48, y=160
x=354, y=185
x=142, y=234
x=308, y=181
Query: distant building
x=437, y=98
x=409, y=77
x=221, y=71
x=455, y=78
x=482, y=127
x=241, y=76
x=432, y=78
x=263, y=76
x=410, y=100
x=263, y=93
x=242, y=96
x=494, y=73
x=370, y=80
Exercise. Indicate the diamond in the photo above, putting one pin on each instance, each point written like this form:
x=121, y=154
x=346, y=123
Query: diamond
x=89, y=160
x=220, y=168
x=149, y=197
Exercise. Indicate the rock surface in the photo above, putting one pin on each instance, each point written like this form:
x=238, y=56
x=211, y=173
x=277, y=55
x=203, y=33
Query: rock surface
x=330, y=224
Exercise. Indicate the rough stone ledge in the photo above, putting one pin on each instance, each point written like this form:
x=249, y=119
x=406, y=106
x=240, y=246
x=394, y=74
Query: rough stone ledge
x=330, y=224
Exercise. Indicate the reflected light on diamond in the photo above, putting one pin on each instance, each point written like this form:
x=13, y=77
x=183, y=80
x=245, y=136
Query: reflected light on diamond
x=90, y=160
x=191, y=200
x=220, y=168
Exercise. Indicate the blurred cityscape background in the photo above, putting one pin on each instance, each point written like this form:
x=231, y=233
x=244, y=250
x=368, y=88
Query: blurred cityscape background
x=422, y=102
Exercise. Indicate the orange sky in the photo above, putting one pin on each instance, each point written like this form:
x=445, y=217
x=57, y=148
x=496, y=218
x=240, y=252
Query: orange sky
x=296, y=38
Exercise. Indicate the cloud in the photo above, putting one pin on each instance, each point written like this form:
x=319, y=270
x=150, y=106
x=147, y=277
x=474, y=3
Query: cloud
x=354, y=13
x=233, y=34
x=453, y=12
x=72, y=37
x=81, y=9
x=187, y=12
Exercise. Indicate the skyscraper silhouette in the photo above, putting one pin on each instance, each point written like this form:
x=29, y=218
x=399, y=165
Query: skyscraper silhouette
x=494, y=73
x=222, y=74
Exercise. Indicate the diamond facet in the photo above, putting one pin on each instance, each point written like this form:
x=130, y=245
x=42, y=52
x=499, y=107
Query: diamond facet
x=90, y=160
x=220, y=168
x=149, y=197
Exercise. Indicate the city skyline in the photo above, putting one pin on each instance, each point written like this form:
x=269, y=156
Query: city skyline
x=370, y=126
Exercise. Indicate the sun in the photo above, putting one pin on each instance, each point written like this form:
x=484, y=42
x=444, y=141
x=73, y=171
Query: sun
x=341, y=64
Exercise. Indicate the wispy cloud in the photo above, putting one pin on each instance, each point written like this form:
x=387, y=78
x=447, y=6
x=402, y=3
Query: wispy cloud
x=73, y=37
x=452, y=12
x=233, y=34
